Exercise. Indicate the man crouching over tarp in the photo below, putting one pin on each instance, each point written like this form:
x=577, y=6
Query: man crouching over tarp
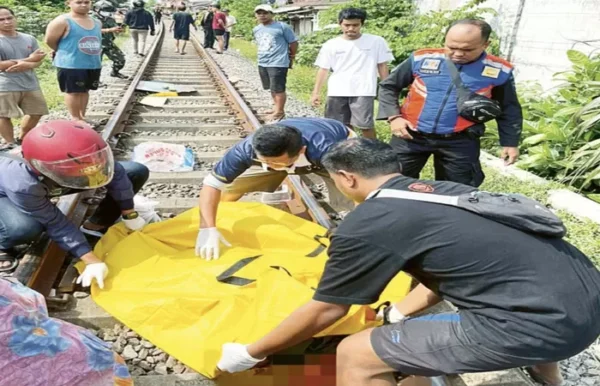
x=59, y=158
x=523, y=299
x=261, y=162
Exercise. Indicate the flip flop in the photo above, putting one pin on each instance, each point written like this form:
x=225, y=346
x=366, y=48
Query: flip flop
x=537, y=378
x=275, y=119
x=4, y=256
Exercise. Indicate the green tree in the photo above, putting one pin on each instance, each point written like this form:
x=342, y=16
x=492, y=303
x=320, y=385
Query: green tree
x=399, y=23
x=243, y=10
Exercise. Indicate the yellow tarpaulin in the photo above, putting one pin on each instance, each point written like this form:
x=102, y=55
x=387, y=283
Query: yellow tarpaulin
x=189, y=307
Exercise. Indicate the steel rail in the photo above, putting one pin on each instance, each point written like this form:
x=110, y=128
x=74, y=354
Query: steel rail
x=300, y=190
x=40, y=267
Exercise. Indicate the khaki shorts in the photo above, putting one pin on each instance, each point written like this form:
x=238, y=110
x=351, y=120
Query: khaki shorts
x=256, y=179
x=15, y=104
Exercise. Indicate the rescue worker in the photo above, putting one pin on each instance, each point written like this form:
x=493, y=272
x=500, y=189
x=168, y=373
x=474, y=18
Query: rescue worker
x=523, y=299
x=267, y=156
x=430, y=121
x=104, y=11
x=63, y=157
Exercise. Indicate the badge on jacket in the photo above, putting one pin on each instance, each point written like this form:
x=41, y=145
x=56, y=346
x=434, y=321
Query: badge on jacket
x=431, y=66
x=491, y=72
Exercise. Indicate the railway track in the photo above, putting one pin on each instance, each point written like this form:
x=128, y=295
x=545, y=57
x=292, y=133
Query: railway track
x=209, y=120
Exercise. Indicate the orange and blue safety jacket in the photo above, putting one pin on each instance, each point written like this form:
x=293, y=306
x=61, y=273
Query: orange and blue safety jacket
x=430, y=105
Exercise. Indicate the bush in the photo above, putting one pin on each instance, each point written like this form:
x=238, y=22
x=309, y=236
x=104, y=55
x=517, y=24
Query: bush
x=561, y=131
x=399, y=23
x=33, y=16
x=243, y=10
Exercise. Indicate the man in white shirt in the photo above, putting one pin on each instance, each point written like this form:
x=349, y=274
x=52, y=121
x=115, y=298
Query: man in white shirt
x=231, y=21
x=355, y=59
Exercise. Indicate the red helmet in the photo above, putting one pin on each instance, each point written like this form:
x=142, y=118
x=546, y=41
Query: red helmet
x=70, y=153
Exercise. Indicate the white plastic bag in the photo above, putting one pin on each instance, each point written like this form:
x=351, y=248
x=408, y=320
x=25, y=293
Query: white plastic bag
x=145, y=208
x=164, y=157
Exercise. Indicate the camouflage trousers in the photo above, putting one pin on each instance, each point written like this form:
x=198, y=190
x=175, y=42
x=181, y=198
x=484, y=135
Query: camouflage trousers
x=115, y=55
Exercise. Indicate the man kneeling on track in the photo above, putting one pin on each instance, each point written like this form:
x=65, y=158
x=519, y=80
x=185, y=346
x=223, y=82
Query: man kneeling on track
x=59, y=158
x=267, y=156
x=524, y=300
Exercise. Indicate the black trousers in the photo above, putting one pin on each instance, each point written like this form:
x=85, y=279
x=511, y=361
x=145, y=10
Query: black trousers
x=226, y=37
x=455, y=158
x=209, y=38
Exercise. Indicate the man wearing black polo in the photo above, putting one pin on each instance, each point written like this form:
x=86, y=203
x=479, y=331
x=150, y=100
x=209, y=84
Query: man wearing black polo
x=431, y=120
x=523, y=300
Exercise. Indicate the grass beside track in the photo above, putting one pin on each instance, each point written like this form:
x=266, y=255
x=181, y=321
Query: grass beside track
x=583, y=234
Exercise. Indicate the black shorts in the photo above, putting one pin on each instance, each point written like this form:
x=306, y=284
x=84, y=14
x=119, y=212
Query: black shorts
x=182, y=35
x=74, y=80
x=219, y=32
x=273, y=78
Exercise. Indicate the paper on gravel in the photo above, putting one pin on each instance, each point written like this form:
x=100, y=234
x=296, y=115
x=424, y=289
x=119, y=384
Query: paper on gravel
x=190, y=307
x=164, y=157
x=154, y=86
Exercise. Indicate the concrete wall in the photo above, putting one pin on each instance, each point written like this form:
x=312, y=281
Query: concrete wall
x=547, y=29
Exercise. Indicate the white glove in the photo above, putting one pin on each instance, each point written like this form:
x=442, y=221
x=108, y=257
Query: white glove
x=235, y=358
x=92, y=271
x=135, y=224
x=393, y=315
x=207, y=243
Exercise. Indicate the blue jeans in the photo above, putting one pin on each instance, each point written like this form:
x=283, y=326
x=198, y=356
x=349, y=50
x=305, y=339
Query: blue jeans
x=17, y=228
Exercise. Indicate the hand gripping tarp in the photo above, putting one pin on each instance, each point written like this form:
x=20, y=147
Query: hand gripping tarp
x=189, y=307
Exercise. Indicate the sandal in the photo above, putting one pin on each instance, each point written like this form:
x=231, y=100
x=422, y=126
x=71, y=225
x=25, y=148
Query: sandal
x=538, y=379
x=275, y=118
x=7, y=256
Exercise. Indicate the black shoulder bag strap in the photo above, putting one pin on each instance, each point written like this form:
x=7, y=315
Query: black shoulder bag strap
x=460, y=87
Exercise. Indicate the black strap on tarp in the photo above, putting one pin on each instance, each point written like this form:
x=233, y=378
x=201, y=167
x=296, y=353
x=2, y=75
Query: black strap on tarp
x=320, y=248
x=227, y=276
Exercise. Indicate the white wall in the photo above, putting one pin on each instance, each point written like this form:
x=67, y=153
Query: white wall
x=548, y=28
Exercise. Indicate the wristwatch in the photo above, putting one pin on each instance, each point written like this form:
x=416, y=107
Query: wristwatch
x=131, y=216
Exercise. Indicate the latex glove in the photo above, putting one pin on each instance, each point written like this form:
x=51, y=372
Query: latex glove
x=135, y=224
x=92, y=271
x=207, y=243
x=235, y=358
x=390, y=315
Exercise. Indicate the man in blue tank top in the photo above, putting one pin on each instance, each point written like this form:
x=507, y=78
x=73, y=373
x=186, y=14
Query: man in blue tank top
x=76, y=39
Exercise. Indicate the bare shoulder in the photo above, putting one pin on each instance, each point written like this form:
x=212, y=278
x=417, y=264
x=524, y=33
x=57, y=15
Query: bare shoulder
x=58, y=21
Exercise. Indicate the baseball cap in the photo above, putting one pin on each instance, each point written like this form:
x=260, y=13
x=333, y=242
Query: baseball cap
x=264, y=7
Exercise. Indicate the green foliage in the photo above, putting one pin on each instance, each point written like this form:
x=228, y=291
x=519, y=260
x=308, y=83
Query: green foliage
x=243, y=11
x=34, y=16
x=398, y=22
x=561, y=131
